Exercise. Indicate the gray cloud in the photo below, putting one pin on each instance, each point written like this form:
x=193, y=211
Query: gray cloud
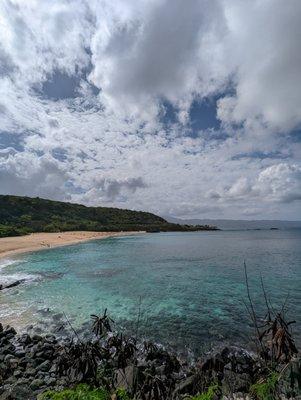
x=157, y=56
x=31, y=177
x=291, y=197
x=158, y=51
x=109, y=190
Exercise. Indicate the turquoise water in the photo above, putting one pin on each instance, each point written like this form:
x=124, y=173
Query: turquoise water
x=191, y=285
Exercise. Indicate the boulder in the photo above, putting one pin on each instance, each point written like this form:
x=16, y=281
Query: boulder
x=24, y=339
x=45, y=366
x=36, y=384
x=11, y=285
x=37, y=338
x=185, y=386
x=236, y=382
x=30, y=371
x=125, y=377
x=12, y=362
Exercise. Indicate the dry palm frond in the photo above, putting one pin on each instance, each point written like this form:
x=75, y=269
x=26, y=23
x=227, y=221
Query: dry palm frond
x=101, y=324
x=277, y=338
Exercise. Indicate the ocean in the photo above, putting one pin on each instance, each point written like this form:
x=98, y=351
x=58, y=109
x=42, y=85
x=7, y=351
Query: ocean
x=186, y=289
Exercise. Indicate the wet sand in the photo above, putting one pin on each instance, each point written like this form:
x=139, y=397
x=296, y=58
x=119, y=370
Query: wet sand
x=9, y=246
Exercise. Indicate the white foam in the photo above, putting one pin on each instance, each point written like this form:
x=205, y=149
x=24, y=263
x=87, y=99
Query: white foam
x=7, y=262
x=6, y=279
x=8, y=276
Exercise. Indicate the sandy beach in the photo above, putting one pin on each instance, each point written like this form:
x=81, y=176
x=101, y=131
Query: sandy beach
x=9, y=246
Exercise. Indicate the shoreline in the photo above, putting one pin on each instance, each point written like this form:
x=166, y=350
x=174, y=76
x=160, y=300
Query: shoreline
x=15, y=245
x=38, y=361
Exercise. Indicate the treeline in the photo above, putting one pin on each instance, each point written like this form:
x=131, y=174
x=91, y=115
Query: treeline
x=24, y=215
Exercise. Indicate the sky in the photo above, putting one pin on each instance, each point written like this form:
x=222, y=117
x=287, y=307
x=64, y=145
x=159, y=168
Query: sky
x=189, y=109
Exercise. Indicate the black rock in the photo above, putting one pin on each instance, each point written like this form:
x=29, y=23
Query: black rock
x=36, y=338
x=11, y=285
x=185, y=386
x=18, y=373
x=50, y=339
x=38, y=329
x=45, y=366
x=9, y=357
x=38, y=361
x=36, y=384
x=8, y=349
x=24, y=339
x=8, y=333
x=39, y=354
x=50, y=381
x=30, y=372
x=236, y=382
x=20, y=353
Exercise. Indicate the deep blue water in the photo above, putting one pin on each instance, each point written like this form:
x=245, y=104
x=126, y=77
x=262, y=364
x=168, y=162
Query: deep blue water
x=191, y=285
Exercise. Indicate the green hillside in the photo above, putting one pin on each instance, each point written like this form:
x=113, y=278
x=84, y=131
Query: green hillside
x=22, y=215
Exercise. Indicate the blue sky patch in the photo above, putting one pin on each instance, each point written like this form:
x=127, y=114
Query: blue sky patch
x=59, y=154
x=14, y=140
x=261, y=155
x=168, y=113
x=203, y=115
x=61, y=86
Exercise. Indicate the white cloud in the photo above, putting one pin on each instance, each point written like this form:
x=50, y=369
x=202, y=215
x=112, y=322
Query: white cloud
x=276, y=183
x=281, y=182
x=263, y=47
x=240, y=188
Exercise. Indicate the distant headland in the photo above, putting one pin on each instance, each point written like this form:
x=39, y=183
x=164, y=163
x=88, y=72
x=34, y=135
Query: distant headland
x=24, y=215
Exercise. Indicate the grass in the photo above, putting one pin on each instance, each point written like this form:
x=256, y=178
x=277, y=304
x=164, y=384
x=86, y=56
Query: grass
x=80, y=392
x=266, y=390
x=209, y=395
x=83, y=392
x=122, y=394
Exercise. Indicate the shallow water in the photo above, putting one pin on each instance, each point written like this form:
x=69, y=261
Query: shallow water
x=191, y=285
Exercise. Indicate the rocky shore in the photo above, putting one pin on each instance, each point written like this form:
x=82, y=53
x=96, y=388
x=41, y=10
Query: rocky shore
x=32, y=363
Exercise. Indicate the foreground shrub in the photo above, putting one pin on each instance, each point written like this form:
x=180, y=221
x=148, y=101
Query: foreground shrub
x=80, y=392
x=266, y=390
x=209, y=395
x=84, y=392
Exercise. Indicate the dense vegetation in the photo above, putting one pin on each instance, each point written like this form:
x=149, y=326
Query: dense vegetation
x=23, y=215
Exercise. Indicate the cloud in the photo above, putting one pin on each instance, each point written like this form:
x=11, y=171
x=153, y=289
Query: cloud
x=251, y=212
x=263, y=46
x=109, y=190
x=105, y=103
x=24, y=174
x=157, y=51
x=278, y=182
x=240, y=188
x=281, y=182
